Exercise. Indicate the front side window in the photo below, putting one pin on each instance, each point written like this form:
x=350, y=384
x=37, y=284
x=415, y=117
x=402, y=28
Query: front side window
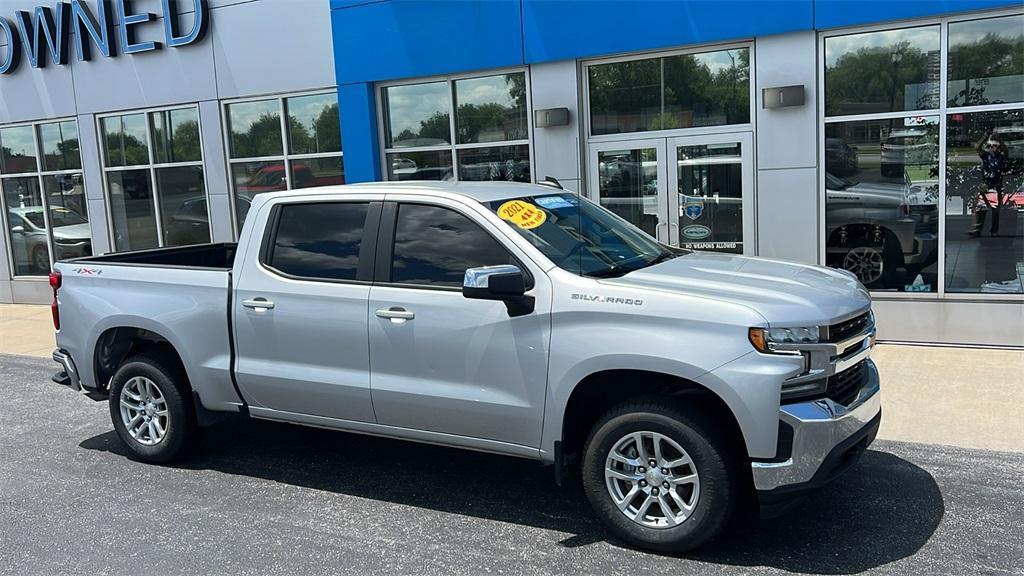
x=319, y=241
x=580, y=236
x=153, y=171
x=671, y=92
x=487, y=139
x=434, y=246
x=43, y=196
x=266, y=155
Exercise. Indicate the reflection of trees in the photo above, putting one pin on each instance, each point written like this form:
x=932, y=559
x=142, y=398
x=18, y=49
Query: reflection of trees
x=263, y=138
x=183, y=139
x=323, y=135
x=878, y=76
x=988, y=57
x=693, y=93
x=437, y=126
x=133, y=149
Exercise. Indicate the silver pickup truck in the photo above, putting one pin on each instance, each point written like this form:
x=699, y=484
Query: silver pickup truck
x=510, y=318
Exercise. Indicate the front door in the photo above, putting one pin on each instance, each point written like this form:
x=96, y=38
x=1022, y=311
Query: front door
x=440, y=362
x=693, y=191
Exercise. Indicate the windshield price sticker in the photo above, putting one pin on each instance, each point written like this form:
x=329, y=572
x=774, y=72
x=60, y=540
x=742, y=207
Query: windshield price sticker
x=522, y=214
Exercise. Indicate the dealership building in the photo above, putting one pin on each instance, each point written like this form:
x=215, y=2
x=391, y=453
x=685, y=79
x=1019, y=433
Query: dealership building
x=883, y=137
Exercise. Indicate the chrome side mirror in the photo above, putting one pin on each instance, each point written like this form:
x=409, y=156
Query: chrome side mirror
x=505, y=283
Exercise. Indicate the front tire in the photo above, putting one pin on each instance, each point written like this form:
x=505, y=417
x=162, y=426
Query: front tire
x=151, y=408
x=684, y=500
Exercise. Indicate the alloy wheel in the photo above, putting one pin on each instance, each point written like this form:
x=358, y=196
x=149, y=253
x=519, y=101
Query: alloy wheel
x=652, y=480
x=144, y=411
x=866, y=262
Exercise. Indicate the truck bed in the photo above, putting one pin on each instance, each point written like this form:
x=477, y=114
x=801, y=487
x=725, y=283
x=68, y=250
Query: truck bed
x=218, y=256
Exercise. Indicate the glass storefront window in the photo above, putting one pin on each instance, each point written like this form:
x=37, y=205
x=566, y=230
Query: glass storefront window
x=267, y=157
x=628, y=185
x=310, y=172
x=986, y=61
x=131, y=210
x=417, y=115
x=511, y=163
x=43, y=199
x=69, y=216
x=60, y=146
x=27, y=226
x=886, y=71
x=125, y=140
x=490, y=109
x=158, y=203
x=176, y=136
x=183, y=205
x=17, y=150
x=671, y=92
x=881, y=209
x=985, y=202
x=493, y=109
x=313, y=125
x=255, y=128
x=412, y=165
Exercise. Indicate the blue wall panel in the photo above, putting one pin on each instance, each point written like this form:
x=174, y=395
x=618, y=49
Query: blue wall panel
x=563, y=29
x=359, y=132
x=405, y=38
x=835, y=13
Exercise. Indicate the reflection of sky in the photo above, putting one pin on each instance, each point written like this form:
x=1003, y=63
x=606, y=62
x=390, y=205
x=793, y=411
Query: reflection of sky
x=306, y=109
x=1011, y=27
x=479, y=91
x=721, y=60
x=925, y=39
x=245, y=114
x=53, y=134
x=19, y=140
x=408, y=105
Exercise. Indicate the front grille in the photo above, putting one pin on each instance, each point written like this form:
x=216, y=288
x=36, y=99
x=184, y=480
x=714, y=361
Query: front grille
x=843, y=330
x=842, y=388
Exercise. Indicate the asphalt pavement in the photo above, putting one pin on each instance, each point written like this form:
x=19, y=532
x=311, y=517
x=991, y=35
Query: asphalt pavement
x=265, y=498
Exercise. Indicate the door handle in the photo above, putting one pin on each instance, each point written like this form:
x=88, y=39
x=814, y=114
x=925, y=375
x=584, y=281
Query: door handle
x=396, y=314
x=258, y=304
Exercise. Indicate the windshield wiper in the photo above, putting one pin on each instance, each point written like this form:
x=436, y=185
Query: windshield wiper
x=666, y=255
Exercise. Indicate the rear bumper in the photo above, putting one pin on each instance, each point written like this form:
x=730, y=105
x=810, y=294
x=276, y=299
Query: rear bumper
x=827, y=438
x=69, y=376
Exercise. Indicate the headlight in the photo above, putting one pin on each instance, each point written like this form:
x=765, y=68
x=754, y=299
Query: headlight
x=764, y=339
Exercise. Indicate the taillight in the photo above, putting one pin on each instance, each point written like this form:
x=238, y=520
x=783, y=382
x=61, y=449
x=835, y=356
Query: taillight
x=55, y=282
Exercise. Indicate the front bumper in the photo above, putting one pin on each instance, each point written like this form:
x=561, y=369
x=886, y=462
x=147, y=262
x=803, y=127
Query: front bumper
x=826, y=439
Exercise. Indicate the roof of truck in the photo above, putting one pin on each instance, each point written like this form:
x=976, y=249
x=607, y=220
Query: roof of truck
x=480, y=191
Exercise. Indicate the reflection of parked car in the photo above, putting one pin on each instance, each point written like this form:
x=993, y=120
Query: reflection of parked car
x=71, y=237
x=840, y=157
x=271, y=178
x=873, y=230
x=914, y=147
x=403, y=164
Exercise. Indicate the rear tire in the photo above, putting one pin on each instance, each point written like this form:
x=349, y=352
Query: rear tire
x=151, y=408
x=698, y=482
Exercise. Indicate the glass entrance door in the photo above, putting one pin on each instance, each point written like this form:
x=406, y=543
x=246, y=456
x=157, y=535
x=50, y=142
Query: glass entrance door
x=693, y=191
x=711, y=193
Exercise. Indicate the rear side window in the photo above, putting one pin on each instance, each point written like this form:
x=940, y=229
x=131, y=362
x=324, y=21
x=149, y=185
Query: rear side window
x=434, y=246
x=319, y=240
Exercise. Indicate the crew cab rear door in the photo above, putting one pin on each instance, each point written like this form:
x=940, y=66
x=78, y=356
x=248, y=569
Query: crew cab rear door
x=300, y=308
x=440, y=362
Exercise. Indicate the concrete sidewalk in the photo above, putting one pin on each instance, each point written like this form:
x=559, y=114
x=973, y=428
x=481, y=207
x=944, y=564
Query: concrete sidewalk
x=933, y=395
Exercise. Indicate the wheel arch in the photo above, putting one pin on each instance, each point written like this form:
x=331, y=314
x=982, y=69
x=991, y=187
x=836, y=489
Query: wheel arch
x=601, y=390
x=115, y=344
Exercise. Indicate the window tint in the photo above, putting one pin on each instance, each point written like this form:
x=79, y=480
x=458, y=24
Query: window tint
x=320, y=240
x=435, y=246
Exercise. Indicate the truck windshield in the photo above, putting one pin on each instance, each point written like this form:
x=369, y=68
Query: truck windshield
x=580, y=236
